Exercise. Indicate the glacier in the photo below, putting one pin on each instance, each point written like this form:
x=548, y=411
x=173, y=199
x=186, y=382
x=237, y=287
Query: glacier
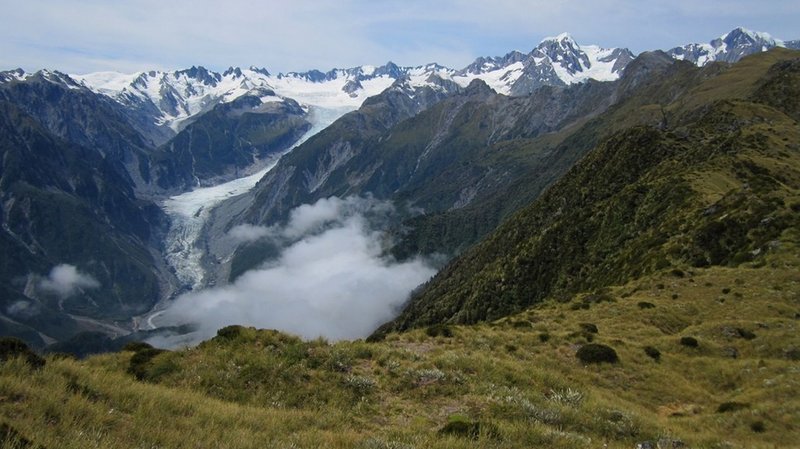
x=189, y=211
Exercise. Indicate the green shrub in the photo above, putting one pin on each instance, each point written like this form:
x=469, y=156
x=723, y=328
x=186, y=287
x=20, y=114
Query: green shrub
x=142, y=361
x=690, y=342
x=230, y=332
x=597, y=353
x=758, y=427
x=544, y=337
x=746, y=334
x=136, y=346
x=652, y=352
x=646, y=305
x=376, y=337
x=732, y=406
x=11, y=348
x=589, y=327
x=522, y=324
x=439, y=330
x=461, y=426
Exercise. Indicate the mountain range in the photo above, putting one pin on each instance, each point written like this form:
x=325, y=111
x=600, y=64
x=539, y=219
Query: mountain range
x=460, y=150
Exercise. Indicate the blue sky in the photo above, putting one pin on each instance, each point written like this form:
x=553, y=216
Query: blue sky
x=129, y=36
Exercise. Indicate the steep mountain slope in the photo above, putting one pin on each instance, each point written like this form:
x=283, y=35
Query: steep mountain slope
x=443, y=159
x=467, y=162
x=716, y=183
x=300, y=174
x=76, y=114
x=242, y=134
x=65, y=204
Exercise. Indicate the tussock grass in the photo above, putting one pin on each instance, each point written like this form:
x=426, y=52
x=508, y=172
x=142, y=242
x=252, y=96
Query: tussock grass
x=254, y=388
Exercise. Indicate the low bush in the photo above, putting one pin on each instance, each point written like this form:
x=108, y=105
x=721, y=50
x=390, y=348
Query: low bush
x=652, y=352
x=136, y=346
x=230, y=332
x=746, y=334
x=544, y=337
x=439, y=330
x=461, y=426
x=646, y=305
x=731, y=406
x=11, y=348
x=141, y=361
x=597, y=353
x=690, y=342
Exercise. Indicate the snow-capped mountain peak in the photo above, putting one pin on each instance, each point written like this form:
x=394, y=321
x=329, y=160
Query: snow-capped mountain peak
x=743, y=36
x=564, y=39
x=558, y=61
x=13, y=75
x=730, y=47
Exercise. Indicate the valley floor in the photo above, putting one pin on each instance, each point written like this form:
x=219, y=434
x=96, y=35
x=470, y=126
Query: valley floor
x=512, y=383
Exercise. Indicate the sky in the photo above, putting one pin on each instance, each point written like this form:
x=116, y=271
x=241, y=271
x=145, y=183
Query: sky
x=136, y=35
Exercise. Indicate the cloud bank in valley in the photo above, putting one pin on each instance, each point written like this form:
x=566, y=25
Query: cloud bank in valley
x=65, y=280
x=331, y=279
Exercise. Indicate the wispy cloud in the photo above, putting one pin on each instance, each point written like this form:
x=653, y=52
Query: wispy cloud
x=91, y=35
x=65, y=280
x=331, y=280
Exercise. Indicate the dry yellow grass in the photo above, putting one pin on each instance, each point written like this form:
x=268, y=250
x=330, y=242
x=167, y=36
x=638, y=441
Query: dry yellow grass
x=523, y=391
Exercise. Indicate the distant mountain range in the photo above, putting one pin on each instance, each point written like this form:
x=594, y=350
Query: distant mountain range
x=730, y=47
x=467, y=147
x=166, y=102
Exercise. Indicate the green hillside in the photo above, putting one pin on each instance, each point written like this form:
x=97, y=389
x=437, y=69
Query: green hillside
x=717, y=185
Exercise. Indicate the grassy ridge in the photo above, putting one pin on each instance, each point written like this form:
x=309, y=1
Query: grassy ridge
x=513, y=383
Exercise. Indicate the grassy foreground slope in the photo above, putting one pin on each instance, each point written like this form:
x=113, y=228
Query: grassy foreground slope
x=511, y=383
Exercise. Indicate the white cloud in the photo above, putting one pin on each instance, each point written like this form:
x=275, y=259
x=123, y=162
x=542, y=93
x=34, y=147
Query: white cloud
x=65, y=280
x=249, y=233
x=309, y=219
x=334, y=282
x=22, y=309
